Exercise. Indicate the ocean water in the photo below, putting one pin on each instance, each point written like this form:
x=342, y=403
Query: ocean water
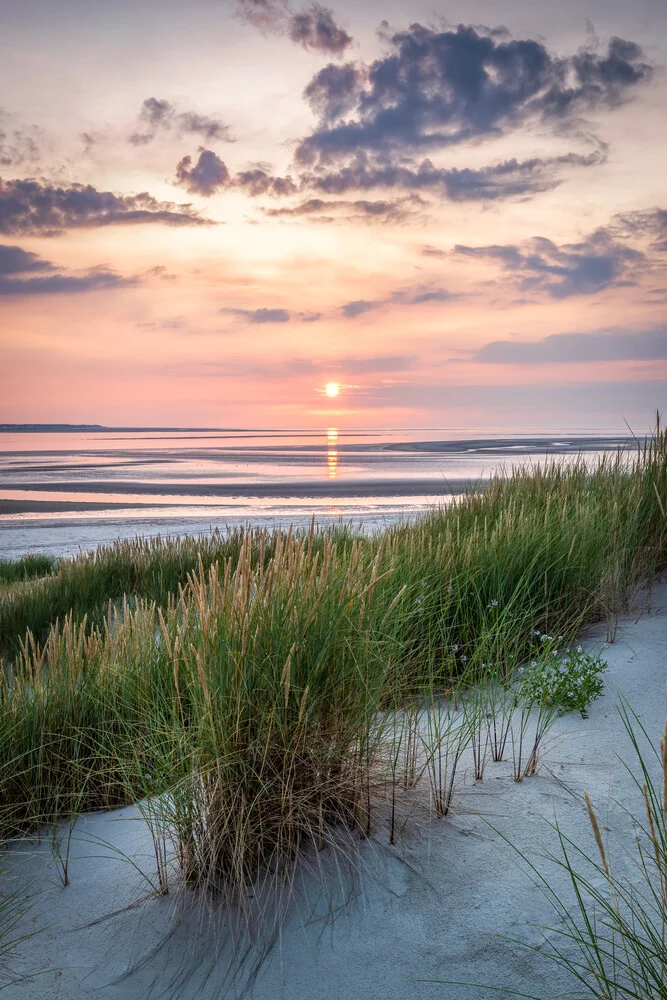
x=64, y=490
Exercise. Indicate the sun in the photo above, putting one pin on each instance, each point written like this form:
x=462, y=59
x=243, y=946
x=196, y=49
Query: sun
x=332, y=389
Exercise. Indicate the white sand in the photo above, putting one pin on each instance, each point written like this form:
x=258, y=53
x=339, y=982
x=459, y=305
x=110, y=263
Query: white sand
x=430, y=908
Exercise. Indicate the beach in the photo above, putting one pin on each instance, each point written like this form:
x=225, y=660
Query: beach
x=439, y=905
x=64, y=491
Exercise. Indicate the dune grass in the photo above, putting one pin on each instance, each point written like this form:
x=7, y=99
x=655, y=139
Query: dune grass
x=611, y=934
x=26, y=568
x=252, y=686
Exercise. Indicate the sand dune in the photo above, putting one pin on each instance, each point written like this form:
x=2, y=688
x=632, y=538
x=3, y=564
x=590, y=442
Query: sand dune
x=432, y=907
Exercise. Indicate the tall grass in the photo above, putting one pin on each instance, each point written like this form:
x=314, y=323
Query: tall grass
x=244, y=683
x=152, y=568
x=26, y=568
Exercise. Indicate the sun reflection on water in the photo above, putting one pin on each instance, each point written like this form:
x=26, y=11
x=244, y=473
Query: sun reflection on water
x=332, y=453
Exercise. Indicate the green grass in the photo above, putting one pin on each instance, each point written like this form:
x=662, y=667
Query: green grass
x=26, y=568
x=250, y=681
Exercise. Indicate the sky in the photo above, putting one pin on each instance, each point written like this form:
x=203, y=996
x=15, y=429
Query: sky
x=455, y=212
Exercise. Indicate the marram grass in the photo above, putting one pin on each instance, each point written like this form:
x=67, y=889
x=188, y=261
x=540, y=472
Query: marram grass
x=244, y=683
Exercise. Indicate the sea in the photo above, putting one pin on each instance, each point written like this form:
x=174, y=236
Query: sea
x=66, y=489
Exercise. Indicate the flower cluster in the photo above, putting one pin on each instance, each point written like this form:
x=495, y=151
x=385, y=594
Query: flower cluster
x=568, y=681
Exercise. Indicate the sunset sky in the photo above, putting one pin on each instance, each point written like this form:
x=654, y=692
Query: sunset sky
x=457, y=212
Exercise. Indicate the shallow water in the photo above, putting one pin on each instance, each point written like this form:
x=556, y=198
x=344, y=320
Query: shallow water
x=64, y=490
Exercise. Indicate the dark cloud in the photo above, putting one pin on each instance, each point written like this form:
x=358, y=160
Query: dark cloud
x=156, y=112
x=438, y=88
x=597, y=346
x=16, y=263
x=14, y=260
x=261, y=315
x=359, y=306
x=258, y=182
x=267, y=15
x=314, y=27
x=269, y=316
x=274, y=315
x=511, y=178
x=508, y=179
x=592, y=265
x=395, y=210
x=208, y=175
x=30, y=206
x=651, y=223
x=334, y=90
x=403, y=296
x=161, y=116
x=55, y=284
x=420, y=298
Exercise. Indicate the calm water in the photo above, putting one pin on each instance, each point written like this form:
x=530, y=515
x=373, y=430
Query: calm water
x=61, y=491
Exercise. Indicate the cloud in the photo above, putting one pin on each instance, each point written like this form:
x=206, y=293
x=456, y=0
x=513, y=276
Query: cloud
x=511, y=178
x=16, y=263
x=207, y=176
x=334, y=90
x=651, y=223
x=18, y=144
x=59, y=283
x=435, y=89
x=429, y=251
x=597, y=346
x=423, y=295
x=210, y=174
x=15, y=260
x=420, y=298
x=592, y=265
x=356, y=308
x=264, y=315
x=394, y=210
x=31, y=206
x=258, y=182
x=268, y=15
x=314, y=27
x=161, y=116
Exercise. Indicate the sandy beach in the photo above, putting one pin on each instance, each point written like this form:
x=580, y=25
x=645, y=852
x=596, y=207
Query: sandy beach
x=435, y=906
